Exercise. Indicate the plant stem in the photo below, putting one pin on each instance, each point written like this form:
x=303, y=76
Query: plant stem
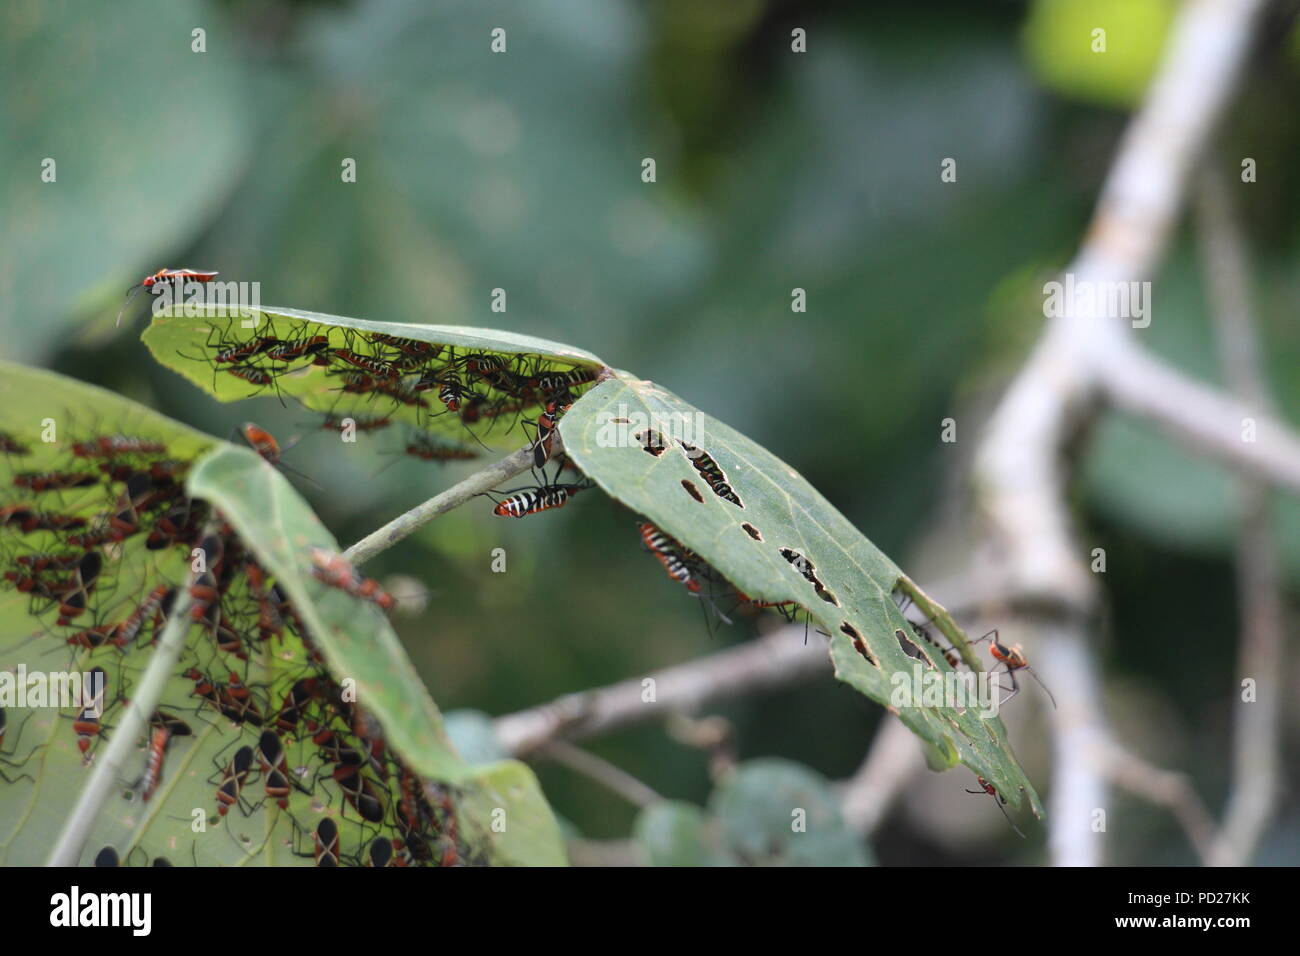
x=162, y=666
x=441, y=503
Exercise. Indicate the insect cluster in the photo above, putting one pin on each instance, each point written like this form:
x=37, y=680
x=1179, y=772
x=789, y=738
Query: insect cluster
x=378, y=380
x=98, y=540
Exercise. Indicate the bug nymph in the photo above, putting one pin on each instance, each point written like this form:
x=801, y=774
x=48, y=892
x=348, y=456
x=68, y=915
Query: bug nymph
x=165, y=275
x=1013, y=658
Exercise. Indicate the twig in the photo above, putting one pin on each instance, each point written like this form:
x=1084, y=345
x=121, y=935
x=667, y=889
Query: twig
x=602, y=771
x=1165, y=788
x=775, y=660
x=132, y=726
x=459, y=493
x=894, y=758
x=1020, y=471
x=1256, y=731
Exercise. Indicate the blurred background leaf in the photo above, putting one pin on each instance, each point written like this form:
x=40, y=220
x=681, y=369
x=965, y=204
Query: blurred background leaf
x=775, y=170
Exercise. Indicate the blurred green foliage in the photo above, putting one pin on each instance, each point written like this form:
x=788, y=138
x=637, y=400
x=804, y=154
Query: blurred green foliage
x=775, y=170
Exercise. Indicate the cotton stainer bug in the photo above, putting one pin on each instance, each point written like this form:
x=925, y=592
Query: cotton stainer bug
x=165, y=275
x=54, y=480
x=326, y=837
x=233, y=779
x=264, y=443
x=275, y=770
x=336, y=571
x=986, y=787
x=1013, y=657
x=163, y=728
x=676, y=560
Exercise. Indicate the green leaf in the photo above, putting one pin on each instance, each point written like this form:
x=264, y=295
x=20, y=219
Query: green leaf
x=672, y=833
x=356, y=638
x=767, y=812
x=777, y=812
x=780, y=524
x=278, y=528
x=117, y=102
x=187, y=345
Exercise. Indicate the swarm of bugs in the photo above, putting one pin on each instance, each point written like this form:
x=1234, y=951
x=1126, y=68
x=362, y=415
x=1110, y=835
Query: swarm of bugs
x=375, y=376
x=98, y=537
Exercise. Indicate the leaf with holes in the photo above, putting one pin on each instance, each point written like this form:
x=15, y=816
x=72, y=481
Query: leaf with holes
x=755, y=521
x=472, y=384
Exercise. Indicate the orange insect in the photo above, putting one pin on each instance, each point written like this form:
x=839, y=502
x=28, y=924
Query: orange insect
x=165, y=275
x=986, y=787
x=1013, y=658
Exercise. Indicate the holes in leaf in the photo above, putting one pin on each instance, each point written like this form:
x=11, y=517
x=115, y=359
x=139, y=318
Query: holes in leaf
x=712, y=473
x=859, y=644
x=805, y=567
x=651, y=441
x=752, y=531
x=911, y=650
x=692, y=491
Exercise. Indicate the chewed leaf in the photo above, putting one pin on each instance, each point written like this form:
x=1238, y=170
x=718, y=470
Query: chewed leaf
x=473, y=384
x=755, y=521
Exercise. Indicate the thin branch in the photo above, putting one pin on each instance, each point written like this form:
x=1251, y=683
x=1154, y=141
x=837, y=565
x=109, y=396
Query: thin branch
x=775, y=660
x=1207, y=420
x=455, y=496
x=1256, y=778
x=1020, y=469
x=601, y=771
x=132, y=726
x=1165, y=788
x=895, y=758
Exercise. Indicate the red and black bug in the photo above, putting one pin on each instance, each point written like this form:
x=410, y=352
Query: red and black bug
x=1013, y=658
x=54, y=480
x=75, y=593
x=163, y=727
x=233, y=778
x=12, y=446
x=275, y=770
x=385, y=371
x=90, y=710
x=117, y=446
x=326, y=837
x=238, y=703
x=679, y=562
x=264, y=443
x=336, y=571
x=165, y=276
x=986, y=787
x=531, y=501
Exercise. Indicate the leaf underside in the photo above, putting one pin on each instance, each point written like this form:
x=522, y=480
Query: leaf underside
x=191, y=344
x=40, y=760
x=780, y=540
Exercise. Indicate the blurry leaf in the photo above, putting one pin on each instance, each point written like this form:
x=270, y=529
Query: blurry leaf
x=475, y=171
x=672, y=833
x=471, y=731
x=116, y=98
x=777, y=812
x=505, y=801
x=1059, y=41
x=782, y=542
